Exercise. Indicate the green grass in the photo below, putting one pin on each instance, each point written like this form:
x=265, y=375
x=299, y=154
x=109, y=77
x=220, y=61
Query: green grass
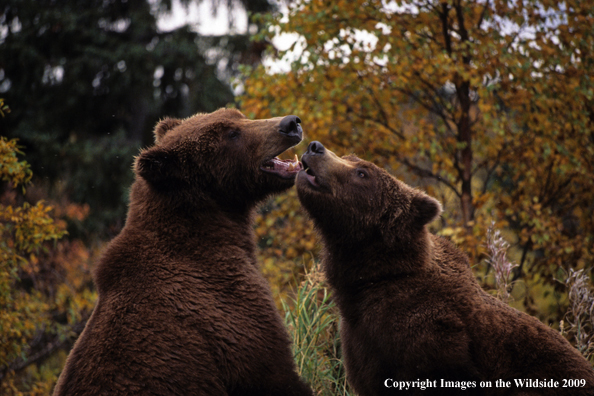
x=312, y=320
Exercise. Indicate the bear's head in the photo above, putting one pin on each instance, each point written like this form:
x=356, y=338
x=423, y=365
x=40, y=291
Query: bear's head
x=355, y=201
x=220, y=157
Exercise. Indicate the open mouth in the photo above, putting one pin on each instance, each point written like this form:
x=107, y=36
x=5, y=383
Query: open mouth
x=287, y=169
x=309, y=174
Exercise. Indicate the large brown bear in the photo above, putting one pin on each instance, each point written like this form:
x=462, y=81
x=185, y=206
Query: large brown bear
x=410, y=307
x=182, y=308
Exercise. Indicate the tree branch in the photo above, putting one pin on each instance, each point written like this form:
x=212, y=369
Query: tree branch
x=492, y=169
x=518, y=269
x=379, y=122
x=43, y=353
x=433, y=109
x=445, y=28
x=483, y=13
x=427, y=173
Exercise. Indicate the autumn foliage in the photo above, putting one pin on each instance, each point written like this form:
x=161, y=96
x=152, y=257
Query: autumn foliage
x=45, y=288
x=486, y=105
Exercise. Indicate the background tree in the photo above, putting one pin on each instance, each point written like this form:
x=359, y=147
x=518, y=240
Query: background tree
x=487, y=105
x=88, y=80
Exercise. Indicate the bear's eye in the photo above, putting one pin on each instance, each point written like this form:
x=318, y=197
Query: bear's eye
x=362, y=173
x=234, y=134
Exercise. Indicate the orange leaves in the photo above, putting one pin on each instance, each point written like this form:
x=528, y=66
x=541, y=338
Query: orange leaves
x=77, y=212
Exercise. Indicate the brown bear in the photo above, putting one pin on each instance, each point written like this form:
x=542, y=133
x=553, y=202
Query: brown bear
x=182, y=307
x=413, y=316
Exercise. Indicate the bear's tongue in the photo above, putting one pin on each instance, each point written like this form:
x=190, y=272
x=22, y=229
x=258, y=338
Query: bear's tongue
x=283, y=168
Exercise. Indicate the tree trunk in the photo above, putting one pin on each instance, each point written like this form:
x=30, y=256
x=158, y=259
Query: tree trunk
x=465, y=136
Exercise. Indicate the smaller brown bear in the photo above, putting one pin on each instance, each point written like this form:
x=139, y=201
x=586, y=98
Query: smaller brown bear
x=410, y=307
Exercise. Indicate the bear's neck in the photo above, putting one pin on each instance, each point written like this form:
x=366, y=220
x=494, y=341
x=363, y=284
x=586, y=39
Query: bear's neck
x=184, y=221
x=356, y=265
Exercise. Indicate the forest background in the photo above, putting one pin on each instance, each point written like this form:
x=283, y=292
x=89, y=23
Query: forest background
x=487, y=105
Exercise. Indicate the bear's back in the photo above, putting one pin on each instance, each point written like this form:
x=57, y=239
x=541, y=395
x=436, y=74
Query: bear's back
x=165, y=314
x=508, y=344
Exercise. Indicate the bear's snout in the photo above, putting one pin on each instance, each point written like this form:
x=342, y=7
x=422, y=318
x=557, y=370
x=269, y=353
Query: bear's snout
x=315, y=147
x=291, y=126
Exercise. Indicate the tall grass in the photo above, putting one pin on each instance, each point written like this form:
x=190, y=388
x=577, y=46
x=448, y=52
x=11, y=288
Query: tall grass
x=312, y=319
x=580, y=315
x=497, y=258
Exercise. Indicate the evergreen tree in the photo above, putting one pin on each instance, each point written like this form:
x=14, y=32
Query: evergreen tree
x=87, y=80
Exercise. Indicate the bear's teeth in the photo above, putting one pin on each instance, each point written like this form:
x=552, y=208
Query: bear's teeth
x=291, y=167
x=296, y=159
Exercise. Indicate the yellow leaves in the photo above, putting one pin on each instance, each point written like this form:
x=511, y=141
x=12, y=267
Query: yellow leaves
x=29, y=225
x=38, y=280
x=4, y=109
x=11, y=169
x=23, y=231
x=449, y=231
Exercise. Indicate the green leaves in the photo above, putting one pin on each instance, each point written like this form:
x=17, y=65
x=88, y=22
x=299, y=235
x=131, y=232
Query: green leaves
x=312, y=319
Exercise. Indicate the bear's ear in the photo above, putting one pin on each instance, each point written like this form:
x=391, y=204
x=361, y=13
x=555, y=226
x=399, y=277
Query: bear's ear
x=426, y=209
x=164, y=126
x=159, y=166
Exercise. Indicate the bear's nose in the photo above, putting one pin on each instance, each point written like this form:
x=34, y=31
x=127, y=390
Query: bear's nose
x=316, y=147
x=291, y=126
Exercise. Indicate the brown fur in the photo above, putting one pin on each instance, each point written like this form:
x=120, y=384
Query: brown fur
x=410, y=306
x=182, y=308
